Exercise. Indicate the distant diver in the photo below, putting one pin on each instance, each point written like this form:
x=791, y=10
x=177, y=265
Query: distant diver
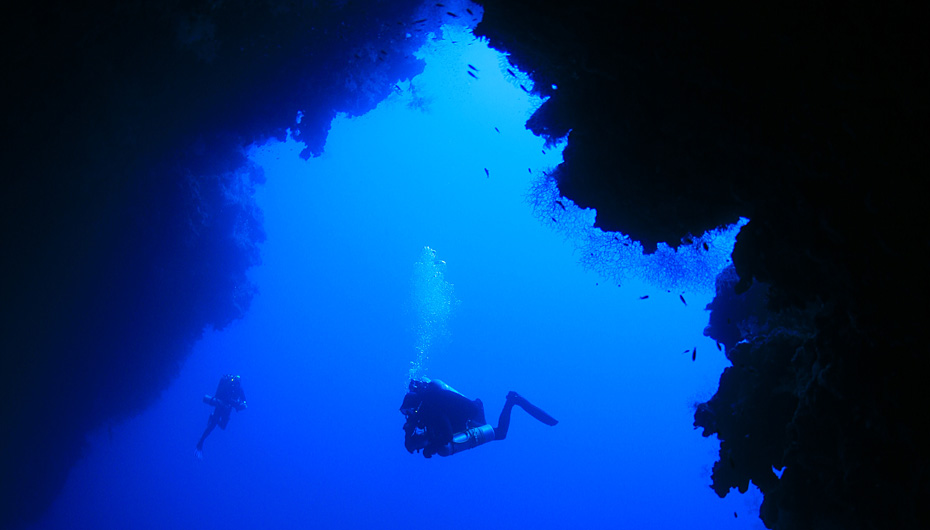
x=442, y=421
x=228, y=396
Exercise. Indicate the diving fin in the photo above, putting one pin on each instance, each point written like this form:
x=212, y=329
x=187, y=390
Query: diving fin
x=531, y=409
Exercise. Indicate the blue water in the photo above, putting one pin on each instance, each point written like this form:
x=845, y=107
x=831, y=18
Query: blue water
x=351, y=303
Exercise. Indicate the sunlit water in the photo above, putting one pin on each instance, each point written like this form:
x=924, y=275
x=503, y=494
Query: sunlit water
x=350, y=306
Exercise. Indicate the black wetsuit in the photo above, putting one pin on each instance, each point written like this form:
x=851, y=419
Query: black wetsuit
x=437, y=413
x=442, y=421
x=229, y=395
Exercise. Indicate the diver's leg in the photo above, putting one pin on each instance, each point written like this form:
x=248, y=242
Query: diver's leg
x=211, y=423
x=503, y=423
x=531, y=409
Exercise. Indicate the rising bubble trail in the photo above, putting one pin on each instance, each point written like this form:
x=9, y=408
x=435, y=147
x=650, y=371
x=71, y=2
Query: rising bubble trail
x=433, y=301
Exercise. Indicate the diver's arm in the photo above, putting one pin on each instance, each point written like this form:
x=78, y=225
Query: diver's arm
x=240, y=400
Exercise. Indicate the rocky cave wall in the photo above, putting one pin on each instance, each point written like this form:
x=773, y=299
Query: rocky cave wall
x=809, y=119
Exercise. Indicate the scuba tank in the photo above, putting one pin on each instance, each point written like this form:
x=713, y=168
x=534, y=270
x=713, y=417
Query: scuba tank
x=471, y=438
x=212, y=401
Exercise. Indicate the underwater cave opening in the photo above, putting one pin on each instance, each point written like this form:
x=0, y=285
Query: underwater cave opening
x=575, y=318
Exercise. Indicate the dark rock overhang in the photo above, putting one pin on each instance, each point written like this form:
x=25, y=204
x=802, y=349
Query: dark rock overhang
x=810, y=119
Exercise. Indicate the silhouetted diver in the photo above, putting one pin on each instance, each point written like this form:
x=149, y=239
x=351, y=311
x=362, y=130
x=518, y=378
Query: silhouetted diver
x=228, y=396
x=442, y=421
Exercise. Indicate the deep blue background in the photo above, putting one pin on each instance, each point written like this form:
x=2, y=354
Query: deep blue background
x=325, y=349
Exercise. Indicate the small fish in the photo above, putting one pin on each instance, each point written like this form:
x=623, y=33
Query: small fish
x=382, y=52
x=718, y=347
x=643, y=297
x=487, y=173
x=694, y=354
x=472, y=74
x=682, y=299
x=560, y=204
x=440, y=5
x=687, y=241
x=686, y=351
x=708, y=248
x=524, y=89
x=530, y=170
x=469, y=11
x=472, y=67
x=509, y=71
x=422, y=20
x=496, y=129
x=734, y=515
x=553, y=220
x=451, y=14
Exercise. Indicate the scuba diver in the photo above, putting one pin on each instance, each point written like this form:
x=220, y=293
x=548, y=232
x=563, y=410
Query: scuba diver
x=442, y=421
x=228, y=396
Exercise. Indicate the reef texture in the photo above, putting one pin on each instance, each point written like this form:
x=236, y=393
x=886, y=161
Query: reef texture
x=129, y=220
x=127, y=204
x=810, y=119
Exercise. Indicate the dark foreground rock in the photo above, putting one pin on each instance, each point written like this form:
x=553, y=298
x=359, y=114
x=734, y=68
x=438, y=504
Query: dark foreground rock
x=809, y=119
x=129, y=221
x=127, y=204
